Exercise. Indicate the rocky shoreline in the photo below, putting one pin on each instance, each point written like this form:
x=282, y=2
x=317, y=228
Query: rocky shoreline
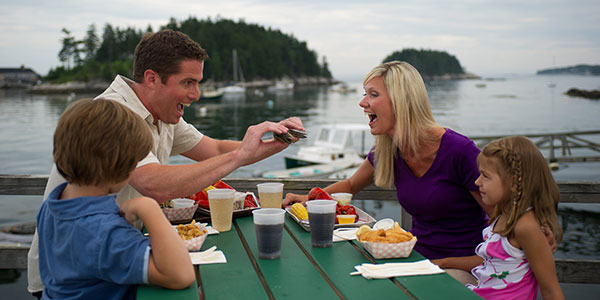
x=99, y=86
x=593, y=94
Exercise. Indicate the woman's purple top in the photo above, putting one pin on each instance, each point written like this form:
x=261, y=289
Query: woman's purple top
x=446, y=219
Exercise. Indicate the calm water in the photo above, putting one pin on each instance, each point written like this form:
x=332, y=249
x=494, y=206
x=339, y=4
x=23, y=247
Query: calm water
x=507, y=105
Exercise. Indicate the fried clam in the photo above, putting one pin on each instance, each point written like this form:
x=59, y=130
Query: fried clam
x=392, y=236
x=189, y=231
x=289, y=136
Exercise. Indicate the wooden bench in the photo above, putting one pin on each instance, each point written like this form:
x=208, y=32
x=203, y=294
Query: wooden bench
x=569, y=270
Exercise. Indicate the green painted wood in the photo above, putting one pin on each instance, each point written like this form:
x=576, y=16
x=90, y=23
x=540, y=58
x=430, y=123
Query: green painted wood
x=338, y=262
x=292, y=276
x=151, y=292
x=429, y=286
x=235, y=279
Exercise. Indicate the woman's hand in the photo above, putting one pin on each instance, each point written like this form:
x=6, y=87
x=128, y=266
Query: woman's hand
x=550, y=237
x=291, y=198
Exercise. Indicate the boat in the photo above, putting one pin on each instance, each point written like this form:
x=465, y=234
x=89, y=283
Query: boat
x=211, y=93
x=282, y=85
x=343, y=88
x=333, y=143
x=238, y=85
x=318, y=170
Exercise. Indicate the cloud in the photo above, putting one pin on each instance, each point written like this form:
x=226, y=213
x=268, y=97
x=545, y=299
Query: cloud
x=486, y=36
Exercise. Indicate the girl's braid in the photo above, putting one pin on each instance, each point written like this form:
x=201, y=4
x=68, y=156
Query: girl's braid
x=514, y=160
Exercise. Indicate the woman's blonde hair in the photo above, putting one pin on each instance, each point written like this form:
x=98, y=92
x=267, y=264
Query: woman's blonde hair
x=414, y=119
x=99, y=142
x=525, y=173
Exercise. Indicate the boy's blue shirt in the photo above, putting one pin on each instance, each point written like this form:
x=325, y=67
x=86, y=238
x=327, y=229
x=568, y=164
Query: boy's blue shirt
x=87, y=251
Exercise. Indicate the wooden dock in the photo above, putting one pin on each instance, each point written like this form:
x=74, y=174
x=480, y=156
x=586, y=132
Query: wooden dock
x=569, y=270
x=557, y=147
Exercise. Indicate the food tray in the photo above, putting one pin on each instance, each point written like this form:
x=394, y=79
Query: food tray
x=363, y=219
x=236, y=213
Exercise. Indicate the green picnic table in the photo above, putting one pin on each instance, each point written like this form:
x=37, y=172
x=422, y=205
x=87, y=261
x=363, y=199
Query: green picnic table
x=302, y=272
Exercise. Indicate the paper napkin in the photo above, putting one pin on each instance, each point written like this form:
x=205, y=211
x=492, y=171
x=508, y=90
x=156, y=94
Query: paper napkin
x=210, y=256
x=344, y=234
x=387, y=270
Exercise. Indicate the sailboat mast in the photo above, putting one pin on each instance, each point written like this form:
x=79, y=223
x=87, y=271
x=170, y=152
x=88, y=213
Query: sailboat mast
x=235, y=67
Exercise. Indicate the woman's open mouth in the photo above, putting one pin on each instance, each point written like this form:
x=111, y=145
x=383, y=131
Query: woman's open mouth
x=372, y=118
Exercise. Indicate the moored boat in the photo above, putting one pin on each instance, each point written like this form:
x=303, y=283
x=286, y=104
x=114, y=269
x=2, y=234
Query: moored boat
x=333, y=143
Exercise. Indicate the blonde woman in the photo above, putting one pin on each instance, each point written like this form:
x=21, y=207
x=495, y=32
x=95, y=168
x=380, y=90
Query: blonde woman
x=432, y=167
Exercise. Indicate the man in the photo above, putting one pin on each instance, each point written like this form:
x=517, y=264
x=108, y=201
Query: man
x=167, y=68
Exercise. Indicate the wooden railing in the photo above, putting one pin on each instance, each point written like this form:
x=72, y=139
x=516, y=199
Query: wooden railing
x=569, y=270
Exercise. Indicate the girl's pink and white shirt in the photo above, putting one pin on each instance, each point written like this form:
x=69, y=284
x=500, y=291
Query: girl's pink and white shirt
x=505, y=272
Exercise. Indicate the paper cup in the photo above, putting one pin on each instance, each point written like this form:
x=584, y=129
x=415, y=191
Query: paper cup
x=321, y=218
x=270, y=194
x=268, y=223
x=220, y=203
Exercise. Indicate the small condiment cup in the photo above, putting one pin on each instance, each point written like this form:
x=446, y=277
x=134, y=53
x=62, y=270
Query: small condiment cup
x=342, y=198
x=346, y=219
x=182, y=202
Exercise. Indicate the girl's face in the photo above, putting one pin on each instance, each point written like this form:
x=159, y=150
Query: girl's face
x=378, y=106
x=493, y=191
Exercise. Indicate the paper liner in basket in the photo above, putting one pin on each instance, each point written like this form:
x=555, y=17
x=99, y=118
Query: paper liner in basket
x=196, y=243
x=180, y=214
x=390, y=250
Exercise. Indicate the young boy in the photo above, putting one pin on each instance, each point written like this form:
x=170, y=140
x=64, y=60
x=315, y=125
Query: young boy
x=87, y=246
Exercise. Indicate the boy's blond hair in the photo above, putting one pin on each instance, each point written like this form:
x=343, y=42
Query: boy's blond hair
x=99, y=142
x=414, y=119
x=525, y=174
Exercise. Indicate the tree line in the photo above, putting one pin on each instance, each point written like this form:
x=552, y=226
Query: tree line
x=262, y=53
x=429, y=63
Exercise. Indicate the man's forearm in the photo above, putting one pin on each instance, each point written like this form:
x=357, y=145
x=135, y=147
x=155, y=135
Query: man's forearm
x=165, y=182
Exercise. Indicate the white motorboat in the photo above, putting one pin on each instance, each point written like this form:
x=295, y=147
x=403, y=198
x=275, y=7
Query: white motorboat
x=333, y=143
x=282, y=85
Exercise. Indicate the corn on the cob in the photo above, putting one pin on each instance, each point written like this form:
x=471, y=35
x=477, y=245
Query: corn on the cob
x=299, y=211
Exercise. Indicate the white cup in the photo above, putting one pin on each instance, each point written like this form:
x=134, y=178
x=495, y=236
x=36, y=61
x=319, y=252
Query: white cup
x=342, y=198
x=220, y=202
x=270, y=194
x=268, y=224
x=182, y=202
x=321, y=217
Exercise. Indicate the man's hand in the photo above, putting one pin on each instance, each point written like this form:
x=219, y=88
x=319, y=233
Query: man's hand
x=253, y=148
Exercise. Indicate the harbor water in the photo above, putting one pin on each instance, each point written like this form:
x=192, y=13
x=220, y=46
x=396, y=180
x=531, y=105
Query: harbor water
x=502, y=105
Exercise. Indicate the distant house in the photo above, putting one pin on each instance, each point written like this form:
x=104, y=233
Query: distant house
x=18, y=77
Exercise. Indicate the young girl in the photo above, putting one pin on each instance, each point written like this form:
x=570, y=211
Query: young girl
x=516, y=180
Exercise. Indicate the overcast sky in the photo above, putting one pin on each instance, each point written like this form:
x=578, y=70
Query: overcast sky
x=488, y=37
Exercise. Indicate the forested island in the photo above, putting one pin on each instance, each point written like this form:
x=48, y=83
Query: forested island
x=593, y=70
x=433, y=65
x=263, y=53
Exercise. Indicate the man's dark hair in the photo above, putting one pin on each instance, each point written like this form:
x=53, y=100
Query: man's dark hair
x=163, y=52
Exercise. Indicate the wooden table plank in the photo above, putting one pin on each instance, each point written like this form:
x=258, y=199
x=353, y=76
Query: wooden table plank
x=292, y=276
x=338, y=262
x=430, y=286
x=152, y=292
x=235, y=279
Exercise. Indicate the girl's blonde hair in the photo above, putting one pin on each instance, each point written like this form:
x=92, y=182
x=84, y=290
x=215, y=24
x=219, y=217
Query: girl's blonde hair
x=414, y=119
x=524, y=171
